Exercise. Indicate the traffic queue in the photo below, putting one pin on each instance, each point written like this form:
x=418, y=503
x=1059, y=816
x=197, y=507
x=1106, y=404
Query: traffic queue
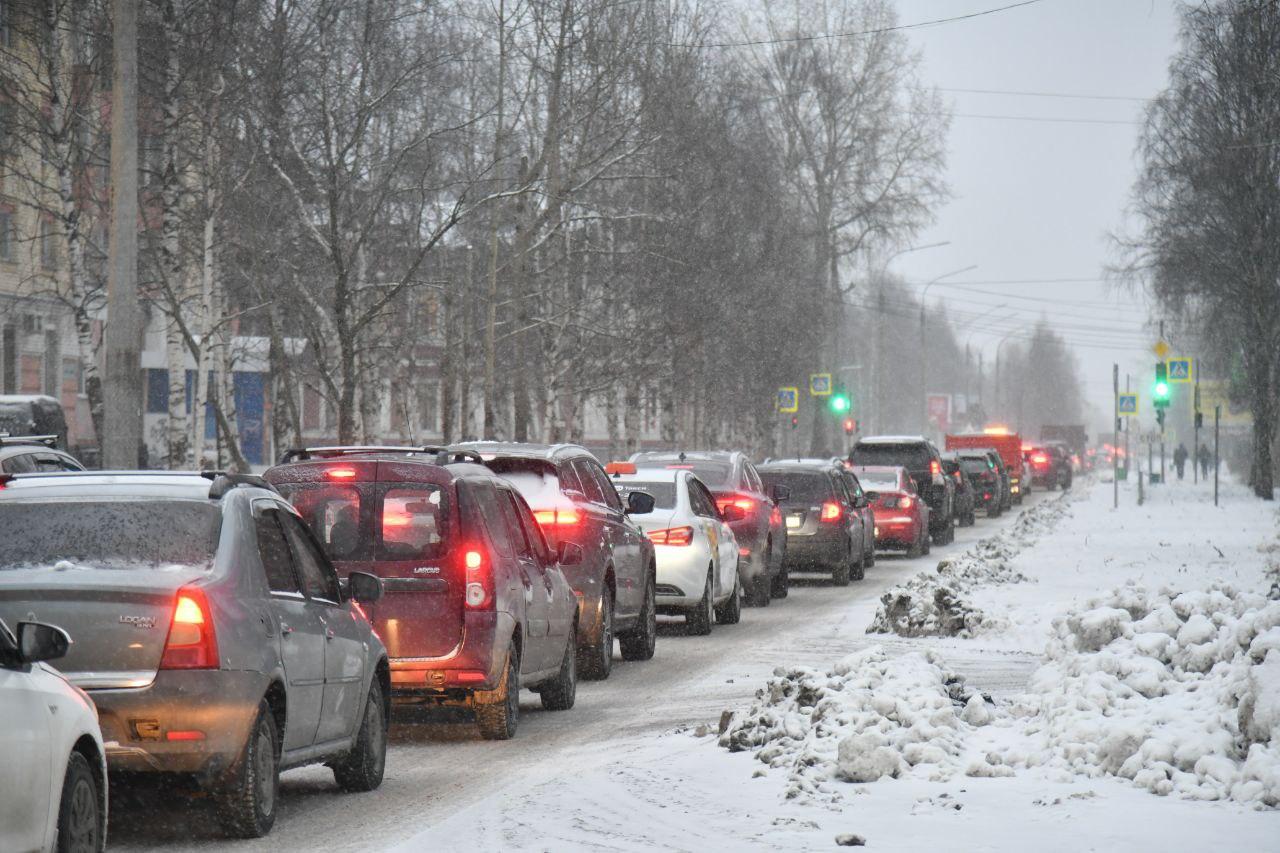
x=227, y=627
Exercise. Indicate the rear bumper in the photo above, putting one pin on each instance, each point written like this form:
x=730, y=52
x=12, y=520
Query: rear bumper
x=210, y=711
x=682, y=575
x=476, y=663
x=893, y=531
x=824, y=547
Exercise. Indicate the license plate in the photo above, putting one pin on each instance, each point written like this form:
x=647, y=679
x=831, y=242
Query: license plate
x=794, y=521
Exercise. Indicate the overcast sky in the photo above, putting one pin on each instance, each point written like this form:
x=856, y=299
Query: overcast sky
x=1036, y=200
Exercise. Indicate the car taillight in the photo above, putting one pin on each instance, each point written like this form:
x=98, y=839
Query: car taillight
x=1039, y=458
x=192, y=643
x=672, y=536
x=747, y=505
x=831, y=511
x=775, y=516
x=479, y=577
x=340, y=473
x=904, y=502
x=558, y=517
x=934, y=468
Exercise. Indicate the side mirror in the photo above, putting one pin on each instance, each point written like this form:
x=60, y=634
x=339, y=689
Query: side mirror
x=871, y=496
x=364, y=588
x=39, y=642
x=732, y=513
x=640, y=503
x=861, y=502
x=780, y=493
x=570, y=553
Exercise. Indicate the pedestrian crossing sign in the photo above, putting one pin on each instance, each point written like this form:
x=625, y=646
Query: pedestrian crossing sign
x=1179, y=370
x=789, y=400
x=820, y=384
x=1127, y=404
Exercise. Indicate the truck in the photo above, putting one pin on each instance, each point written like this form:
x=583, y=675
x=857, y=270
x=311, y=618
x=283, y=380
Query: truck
x=1008, y=444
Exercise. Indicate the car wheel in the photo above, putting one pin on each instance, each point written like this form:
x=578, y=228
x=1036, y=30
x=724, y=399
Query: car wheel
x=730, y=612
x=498, y=711
x=858, y=568
x=248, y=802
x=698, y=621
x=363, y=767
x=559, y=693
x=841, y=570
x=917, y=547
x=927, y=545
x=641, y=643
x=81, y=822
x=596, y=661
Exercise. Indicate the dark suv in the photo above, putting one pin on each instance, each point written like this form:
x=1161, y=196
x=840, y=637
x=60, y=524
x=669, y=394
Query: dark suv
x=762, y=538
x=824, y=522
x=615, y=580
x=476, y=606
x=31, y=453
x=984, y=470
x=923, y=462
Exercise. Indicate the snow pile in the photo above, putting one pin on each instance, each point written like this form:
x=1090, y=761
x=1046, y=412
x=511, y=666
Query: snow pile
x=936, y=604
x=1177, y=691
x=868, y=717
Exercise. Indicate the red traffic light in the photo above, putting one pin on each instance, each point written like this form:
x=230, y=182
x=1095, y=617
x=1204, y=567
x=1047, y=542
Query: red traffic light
x=795, y=422
x=850, y=426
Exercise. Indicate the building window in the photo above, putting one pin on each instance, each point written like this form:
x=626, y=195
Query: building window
x=157, y=391
x=429, y=407
x=8, y=236
x=48, y=244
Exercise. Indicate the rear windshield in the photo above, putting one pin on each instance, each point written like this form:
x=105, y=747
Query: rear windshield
x=714, y=475
x=16, y=419
x=367, y=522
x=535, y=479
x=803, y=486
x=109, y=534
x=971, y=465
x=664, y=494
x=913, y=457
x=878, y=481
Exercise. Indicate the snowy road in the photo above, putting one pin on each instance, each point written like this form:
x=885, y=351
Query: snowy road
x=436, y=768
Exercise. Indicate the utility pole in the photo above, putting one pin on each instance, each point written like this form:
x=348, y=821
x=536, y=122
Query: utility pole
x=491, y=309
x=1115, y=419
x=1195, y=420
x=122, y=411
x=1217, y=417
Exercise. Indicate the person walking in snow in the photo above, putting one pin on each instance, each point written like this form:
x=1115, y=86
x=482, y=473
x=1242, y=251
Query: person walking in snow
x=1180, y=459
x=1205, y=458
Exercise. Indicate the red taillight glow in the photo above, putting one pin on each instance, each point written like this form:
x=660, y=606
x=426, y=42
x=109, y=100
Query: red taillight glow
x=904, y=502
x=934, y=468
x=191, y=643
x=672, y=536
x=340, y=473
x=479, y=589
x=747, y=505
x=469, y=676
x=395, y=518
x=187, y=735
x=1039, y=458
x=831, y=511
x=558, y=517
x=744, y=552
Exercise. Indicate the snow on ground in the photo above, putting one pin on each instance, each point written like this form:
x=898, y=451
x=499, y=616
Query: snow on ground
x=1137, y=653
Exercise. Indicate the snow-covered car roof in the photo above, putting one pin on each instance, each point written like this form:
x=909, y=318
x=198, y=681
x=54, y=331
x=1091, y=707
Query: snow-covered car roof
x=181, y=485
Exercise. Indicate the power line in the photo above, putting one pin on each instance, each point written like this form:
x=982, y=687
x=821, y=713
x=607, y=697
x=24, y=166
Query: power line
x=1045, y=119
x=1045, y=94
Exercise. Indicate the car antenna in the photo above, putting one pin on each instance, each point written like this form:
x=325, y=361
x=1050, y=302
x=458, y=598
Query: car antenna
x=682, y=457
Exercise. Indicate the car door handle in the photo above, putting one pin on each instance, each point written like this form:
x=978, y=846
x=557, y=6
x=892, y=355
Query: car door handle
x=285, y=630
x=329, y=633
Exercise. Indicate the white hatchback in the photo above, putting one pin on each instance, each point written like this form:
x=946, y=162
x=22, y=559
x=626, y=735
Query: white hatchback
x=694, y=547
x=53, y=774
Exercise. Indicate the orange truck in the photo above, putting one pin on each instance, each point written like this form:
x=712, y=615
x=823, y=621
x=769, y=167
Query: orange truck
x=1007, y=444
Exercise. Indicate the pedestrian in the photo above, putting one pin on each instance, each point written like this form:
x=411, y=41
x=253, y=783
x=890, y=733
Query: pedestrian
x=1205, y=458
x=1180, y=459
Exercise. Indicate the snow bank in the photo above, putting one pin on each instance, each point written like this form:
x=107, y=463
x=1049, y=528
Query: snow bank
x=868, y=717
x=936, y=603
x=1177, y=691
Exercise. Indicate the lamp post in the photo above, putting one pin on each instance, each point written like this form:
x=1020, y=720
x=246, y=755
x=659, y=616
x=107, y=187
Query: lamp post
x=999, y=347
x=924, y=393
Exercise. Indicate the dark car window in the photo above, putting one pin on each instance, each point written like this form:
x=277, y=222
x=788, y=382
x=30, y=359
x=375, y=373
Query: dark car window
x=606, y=487
x=109, y=534
x=753, y=478
x=852, y=485
x=842, y=490
x=21, y=463
x=805, y=486
x=701, y=502
x=333, y=512
x=356, y=523
x=532, y=531
x=970, y=465
x=664, y=494
x=315, y=572
x=273, y=550
x=569, y=480
x=590, y=485
x=413, y=522
x=485, y=497
x=914, y=457
x=56, y=462
x=714, y=473
x=515, y=532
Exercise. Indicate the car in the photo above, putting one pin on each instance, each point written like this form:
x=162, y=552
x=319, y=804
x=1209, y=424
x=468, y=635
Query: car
x=982, y=468
x=1008, y=446
x=214, y=636
x=1066, y=458
x=924, y=463
x=762, y=538
x=966, y=499
x=902, y=517
x=53, y=770
x=1049, y=465
x=696, y=551
x=615, y=580
x=23, y=454
x=824, y=526
x=477, y=605
x=862, y=506
x=33, y=414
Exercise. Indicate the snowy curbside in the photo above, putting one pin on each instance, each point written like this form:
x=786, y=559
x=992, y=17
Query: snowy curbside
x=936, y=604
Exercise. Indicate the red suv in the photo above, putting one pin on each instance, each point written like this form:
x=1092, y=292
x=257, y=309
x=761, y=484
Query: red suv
x=475, y=604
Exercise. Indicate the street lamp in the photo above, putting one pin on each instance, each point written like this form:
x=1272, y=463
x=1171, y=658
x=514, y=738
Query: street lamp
x=924, y=393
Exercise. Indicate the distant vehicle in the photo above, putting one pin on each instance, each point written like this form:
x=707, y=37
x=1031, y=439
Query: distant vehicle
x=1049, y=464
x=53, y=770
x=923, y=461
x=25, y=454
x=902, y=518
x=214, y=635
x=694, y=545
x=33, y=414
x=862, y=506
x=476, y=604
x=966, y=500
x=1009, y=446
x=616, y=579
x=762, y=539
x=824, y=525
x=984, y=469
x=1074, y=436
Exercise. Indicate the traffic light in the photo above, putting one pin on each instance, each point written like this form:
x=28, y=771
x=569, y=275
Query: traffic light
x=795, y=422
x=850, y=425
x=1160, y=391
x=839, y=401
x=1160, y=419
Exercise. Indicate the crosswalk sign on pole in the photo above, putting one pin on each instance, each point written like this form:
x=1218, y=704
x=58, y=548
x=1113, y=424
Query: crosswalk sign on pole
x=1180, y=370
x=1127, y=405
x=788, y=400
x=820, y=384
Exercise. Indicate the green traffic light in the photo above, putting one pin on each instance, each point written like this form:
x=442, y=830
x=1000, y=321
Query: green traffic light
x=840, y=403
x=1161, y=390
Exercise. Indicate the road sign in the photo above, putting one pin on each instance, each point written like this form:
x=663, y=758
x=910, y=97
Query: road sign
x=939, y=409
x=820, y=384
x=788, y=400
x=1127, y=405
x=1161, y=349
x=1216, y=392
x=1179, y=370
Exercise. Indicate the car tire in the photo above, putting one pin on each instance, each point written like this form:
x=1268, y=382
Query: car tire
x=730, y=612
x=641, y=643
x=841, y=571
x=559, y=693
x=870, y=560
x=993, y=511
x=596, y=661
x=927, y=545
x=247, y=804
x=498, y=711
x=82, y=825
x=698, y=621
x=362, y=769
x=917, y=547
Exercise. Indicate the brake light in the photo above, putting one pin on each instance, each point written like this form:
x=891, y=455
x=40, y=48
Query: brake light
x=4, y=480
x=479, y=589
x=905, y=502
x=558, y=517
x=192, y=643
x=1039, y=458
x=747, y=505
x=831, y=511
x=340, y=473
x=672, y=536
x=934, y=468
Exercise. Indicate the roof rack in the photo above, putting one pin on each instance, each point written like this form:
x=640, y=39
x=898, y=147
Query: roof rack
x=223, y=482
x=7, y=440
x=444, y=455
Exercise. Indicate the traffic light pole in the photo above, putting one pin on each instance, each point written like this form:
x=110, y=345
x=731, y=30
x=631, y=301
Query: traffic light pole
x=1217, y=416
x=1195, y=420
x=1115, y=419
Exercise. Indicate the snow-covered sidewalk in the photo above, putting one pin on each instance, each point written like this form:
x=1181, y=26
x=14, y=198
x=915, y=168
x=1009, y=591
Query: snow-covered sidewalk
x=1108, y=680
